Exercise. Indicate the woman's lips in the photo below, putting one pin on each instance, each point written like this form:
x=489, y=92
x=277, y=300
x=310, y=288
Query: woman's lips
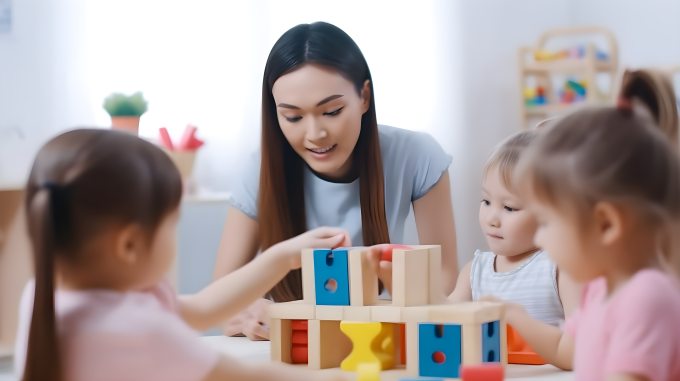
x=321, y=153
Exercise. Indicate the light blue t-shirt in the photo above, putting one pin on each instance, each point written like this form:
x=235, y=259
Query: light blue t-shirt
x=413, y=162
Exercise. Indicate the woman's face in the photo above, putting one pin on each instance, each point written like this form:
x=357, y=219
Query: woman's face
x=320, y=112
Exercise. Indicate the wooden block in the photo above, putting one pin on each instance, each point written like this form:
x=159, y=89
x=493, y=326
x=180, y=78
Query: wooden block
x=329, y=313
x=296, y=310
x=472, y=344
x=280, y=337
x=436, y=293
x=415, y=314
x=328, y=346
x=386, y=314
x=363, y=282
x=504, y=341
x=308, y=285
x=357, y=313
x=372, y=343
x=410, y=273
x=467, y=313
x=412, y=367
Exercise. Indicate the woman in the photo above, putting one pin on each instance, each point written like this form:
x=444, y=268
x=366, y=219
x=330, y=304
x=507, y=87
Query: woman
x=325, y=161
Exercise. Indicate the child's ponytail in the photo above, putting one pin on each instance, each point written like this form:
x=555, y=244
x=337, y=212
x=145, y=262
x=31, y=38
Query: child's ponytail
x=654, y=89
x=43, y=355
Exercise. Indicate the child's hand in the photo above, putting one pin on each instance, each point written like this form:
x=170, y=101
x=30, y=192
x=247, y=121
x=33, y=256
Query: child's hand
x=319, y=238
x=513, y=311
x=380, y=258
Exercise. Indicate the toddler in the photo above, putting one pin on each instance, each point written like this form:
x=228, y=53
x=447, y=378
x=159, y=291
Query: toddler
x=102, y=211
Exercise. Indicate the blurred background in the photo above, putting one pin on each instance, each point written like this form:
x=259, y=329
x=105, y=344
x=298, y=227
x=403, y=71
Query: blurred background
x=446, y=67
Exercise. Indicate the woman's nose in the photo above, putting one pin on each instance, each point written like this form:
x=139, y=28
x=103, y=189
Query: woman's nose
x=315, y=131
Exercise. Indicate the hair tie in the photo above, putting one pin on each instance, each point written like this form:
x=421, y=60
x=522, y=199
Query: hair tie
x=59, y=205
x=624, y=104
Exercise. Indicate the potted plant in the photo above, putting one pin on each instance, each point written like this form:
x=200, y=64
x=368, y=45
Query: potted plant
x=125, y=110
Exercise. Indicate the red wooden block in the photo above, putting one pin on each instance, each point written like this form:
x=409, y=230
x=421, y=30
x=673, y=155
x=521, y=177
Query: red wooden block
x=484, y=372
x=299, y=325
x=300, y=354
x=387, y=251
x=299, y=337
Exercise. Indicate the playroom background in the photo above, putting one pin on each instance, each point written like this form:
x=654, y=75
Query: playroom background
x=468, y=72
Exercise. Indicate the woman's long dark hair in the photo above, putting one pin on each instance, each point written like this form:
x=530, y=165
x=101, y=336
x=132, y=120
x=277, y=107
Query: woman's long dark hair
x=281, y=197
x=81, y=183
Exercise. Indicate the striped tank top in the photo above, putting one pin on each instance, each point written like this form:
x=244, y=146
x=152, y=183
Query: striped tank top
x=533, y=284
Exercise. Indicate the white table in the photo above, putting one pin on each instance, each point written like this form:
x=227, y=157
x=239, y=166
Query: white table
x=258, y=351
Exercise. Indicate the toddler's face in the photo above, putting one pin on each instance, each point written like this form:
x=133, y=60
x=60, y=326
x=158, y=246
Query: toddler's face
x=509, y=228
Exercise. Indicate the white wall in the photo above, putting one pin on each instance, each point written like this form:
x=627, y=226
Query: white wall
x=445, y=67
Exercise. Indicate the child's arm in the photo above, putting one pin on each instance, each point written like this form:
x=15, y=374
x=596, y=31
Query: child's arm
x=549, y=342
x=230, y=369
x=237, y=290
x=463, y=290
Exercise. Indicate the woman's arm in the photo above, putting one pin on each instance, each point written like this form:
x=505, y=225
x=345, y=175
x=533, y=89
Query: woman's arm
x=463, y=291
x=239, y=244
x=231, y=369
x=434, y=220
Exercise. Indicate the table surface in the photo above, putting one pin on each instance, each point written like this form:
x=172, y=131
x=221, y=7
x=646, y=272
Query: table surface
x=258, y=351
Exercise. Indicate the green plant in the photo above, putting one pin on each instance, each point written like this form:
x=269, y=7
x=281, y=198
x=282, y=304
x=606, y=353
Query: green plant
x=118, y=104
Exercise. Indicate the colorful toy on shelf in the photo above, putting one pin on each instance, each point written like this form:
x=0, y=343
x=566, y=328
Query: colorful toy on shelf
x=573, y=92
x=574, y=53
x=436, y=338
x=534, y=97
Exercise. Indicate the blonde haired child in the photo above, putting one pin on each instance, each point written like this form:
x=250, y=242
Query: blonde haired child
x=102, y=211
x=515, y=269
x=605, y=186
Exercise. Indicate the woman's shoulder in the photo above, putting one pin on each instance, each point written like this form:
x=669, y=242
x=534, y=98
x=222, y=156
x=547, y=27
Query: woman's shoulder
x=395, y=140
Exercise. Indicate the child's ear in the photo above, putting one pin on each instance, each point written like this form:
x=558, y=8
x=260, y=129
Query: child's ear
x=608, y=222
x=129, y=244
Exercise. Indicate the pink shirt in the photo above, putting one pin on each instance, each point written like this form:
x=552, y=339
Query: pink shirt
x=636, y=330
x=111, y=336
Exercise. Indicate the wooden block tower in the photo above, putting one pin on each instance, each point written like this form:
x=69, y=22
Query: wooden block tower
x=347, y=324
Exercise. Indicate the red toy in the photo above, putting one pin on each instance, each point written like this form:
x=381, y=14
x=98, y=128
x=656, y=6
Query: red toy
x=485, y=372
x=189, y=142
x=388, y=249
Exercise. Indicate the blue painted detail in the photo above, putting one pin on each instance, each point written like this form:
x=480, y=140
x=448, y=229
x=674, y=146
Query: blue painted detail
x=331, y=265
x=443, y=338
x=491, y=342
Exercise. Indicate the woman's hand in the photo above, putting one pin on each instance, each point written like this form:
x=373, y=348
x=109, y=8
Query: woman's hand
x=319, y=238
x=250, y=322
x=513, y=311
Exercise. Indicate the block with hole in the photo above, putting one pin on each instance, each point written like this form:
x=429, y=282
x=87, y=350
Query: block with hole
x=439, y=350
x=519, y=352
x=371, y=343
x=491, y=342
x=331, y=277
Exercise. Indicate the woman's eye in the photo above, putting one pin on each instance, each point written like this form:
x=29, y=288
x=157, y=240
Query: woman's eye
x=333, y=113
x=293, y=120
x=486, y=202
x=509, y=209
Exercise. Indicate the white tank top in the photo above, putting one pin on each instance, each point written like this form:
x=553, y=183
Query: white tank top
x=533, y=284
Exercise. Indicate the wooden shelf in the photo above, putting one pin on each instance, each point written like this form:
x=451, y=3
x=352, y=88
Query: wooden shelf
x=587, y=67
x=567, y=66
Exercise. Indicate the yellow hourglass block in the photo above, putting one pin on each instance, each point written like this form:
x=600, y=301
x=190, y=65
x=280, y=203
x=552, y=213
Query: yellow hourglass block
x=372, y=343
